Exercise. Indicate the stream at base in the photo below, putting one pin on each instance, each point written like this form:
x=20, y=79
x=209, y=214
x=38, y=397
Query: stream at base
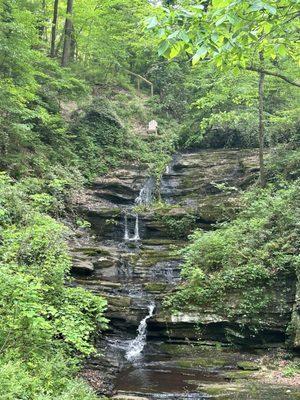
x=155, y=374
x=185, y=371
x=156, y=379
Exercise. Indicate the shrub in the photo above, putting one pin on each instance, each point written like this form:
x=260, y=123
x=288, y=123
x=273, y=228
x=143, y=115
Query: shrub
x=46, y=327
x=244, y=257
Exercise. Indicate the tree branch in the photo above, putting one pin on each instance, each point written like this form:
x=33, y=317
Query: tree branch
x=276, y=74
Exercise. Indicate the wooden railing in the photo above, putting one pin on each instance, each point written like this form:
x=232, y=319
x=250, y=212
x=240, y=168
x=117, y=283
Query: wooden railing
x=140, y=79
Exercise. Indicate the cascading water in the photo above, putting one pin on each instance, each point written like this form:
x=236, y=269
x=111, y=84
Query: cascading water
x=126, y=234
x=137, y=345
x=144, y=198
x=146, y=193
x=136, y=229
x=136, y=236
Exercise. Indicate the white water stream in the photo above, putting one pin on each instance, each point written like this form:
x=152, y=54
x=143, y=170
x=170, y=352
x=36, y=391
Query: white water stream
x=126, y=234
x=144, y=198
x=136, y=346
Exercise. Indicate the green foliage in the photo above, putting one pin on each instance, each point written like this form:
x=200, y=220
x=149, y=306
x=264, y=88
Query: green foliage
x=284, y=164
x=230, y=33
x=31, y=124
x=45, y=325
x=48, y=378
x=291, y=370
x=112, y=38
x=31, y=89
x=223, y=110
x=245, y=257
x=224, y=107
x=49, y=194
x=171, y=81
x=178, y=228
x=107, y=133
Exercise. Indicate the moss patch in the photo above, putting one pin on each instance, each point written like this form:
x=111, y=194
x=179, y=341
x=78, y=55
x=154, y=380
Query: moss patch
x=237, y=375
x=155, y=287
x=92, y=251
x=202, y=362
x=248, y=366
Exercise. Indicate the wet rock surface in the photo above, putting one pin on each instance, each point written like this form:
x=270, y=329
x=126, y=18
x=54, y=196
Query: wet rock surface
x=186, y=371
x=132, y=258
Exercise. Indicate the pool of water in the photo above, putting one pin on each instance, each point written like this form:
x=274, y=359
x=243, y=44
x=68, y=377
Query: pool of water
x=161, y=379
x=159, y=374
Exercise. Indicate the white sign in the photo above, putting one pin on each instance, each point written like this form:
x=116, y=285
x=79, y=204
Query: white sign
x=152, y=126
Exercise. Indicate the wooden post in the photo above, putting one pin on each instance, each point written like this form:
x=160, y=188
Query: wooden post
x=141, y=78
x=138, y=84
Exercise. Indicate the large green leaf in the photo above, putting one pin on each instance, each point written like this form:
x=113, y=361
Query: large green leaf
x=201, y=53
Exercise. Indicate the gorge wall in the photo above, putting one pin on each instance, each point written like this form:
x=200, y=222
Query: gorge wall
x=132, y=257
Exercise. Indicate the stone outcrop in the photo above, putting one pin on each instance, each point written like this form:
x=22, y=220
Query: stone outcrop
x=205, y=184
x=197, y=190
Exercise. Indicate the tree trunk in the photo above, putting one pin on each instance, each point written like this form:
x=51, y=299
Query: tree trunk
x=261, y=129
x=54, y=27
x=73, y=47
x=59, y=45
x=68, y=35
x=42, y=21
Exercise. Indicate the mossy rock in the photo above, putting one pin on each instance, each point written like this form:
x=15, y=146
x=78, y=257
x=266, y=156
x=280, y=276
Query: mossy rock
x=222, y=391
x=118, y=301
x=94, y=251
x=192, y=350
x=112, y=212
x=217, y=208
x=148, y=258
x=132, y=245
x=155, y=287
x=202, y=362
x=101, y=284
x=128, y=397
x=177, y=349
x=162, y=242
x=237, y=375
x=248, y=366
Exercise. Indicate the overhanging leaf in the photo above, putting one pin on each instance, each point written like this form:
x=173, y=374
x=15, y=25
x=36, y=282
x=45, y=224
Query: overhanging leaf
x=221, y=20
x=163, y=48
x=175, y=50
x=152, y=22
x=201, y=53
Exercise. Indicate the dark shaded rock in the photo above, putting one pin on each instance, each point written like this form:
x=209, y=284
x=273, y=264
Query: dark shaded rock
x=294, y=328
x=82, y=264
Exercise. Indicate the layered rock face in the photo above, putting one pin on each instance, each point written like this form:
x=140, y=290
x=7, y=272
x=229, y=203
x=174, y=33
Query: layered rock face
x=133, y=258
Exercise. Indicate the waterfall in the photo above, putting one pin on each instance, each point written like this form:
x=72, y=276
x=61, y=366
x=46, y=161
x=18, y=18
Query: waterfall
x=136, y=346
x=136, y=229
x=144, y=197
x=136, y=236
x=126, y=234
x=146, y=193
